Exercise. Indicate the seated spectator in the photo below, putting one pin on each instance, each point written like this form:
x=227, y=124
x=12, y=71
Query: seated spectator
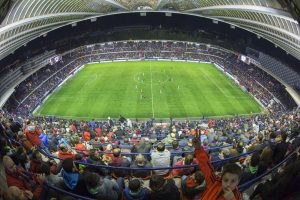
x=163, y=189
x=15, y=193
x=24, y=141
x=13, y=174
x=188, y=160
x=51, y=179
x=189, y=146
x=136, y=191
x=119, y=161
x=251, y=168
x=193, y=186
x=140, y=162
x=72, y=179
x=284, y=185
x=265, y=160
x=217, y=187
x=86, y=136
x=102, y=188
x=36, y=162
x=64, y=152
x=141, y=147
x=175, y=148
x=95, y=159
x=280, y=149
x=16, y=176
x=108, y=150
x=80, y=148
x=169, y=139
x=160, y=157
x=20, y=157
x=183, y=140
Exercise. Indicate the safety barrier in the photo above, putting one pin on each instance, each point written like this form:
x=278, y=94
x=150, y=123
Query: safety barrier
x=242, y=187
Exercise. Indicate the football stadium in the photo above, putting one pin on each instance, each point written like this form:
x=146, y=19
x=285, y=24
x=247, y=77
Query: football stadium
x=149, y=99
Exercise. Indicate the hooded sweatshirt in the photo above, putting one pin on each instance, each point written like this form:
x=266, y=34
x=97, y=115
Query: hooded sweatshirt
x=142, y=194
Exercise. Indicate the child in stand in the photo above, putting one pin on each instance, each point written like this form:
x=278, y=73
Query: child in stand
x=217, y=188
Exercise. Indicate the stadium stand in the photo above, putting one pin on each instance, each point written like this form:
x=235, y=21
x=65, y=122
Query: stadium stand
x=263, y=146
x=262, y=86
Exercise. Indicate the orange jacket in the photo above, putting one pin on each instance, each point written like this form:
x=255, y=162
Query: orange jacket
x=213, y=182
x=65, y=155
x=33, y=137
x=86, y=136
x=80, y=148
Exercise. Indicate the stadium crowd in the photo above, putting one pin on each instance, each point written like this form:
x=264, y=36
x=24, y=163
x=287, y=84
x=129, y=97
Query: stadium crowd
x=261, y=85
x=32, y=149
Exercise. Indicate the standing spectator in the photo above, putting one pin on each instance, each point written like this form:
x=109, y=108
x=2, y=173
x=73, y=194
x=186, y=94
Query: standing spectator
x=160, y=157
x=32, y=134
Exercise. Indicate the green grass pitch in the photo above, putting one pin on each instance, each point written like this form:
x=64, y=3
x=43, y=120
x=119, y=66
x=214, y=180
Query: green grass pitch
x=147, y=89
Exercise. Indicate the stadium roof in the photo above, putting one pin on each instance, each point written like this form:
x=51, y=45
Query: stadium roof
x=24, y=20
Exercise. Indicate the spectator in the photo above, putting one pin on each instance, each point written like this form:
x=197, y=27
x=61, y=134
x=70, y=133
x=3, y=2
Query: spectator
x=251, y=168
x=217, y=187
x=32, y=134
x=283, y=186
x=15, y=193
x=193, y=186
x=163, y=189
x=135, y=191
x=73, y=181
x=16, y=176
x=175, y=149
x=280, y=149
x=119, y=161
x=140, y=162
x=160, y=157
x=101, y=188
x=64, y=152
x=36, y=162
x=141, y=147
x=188, y=160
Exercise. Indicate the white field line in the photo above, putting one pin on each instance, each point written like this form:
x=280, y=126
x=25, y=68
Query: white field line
x=152, y=89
